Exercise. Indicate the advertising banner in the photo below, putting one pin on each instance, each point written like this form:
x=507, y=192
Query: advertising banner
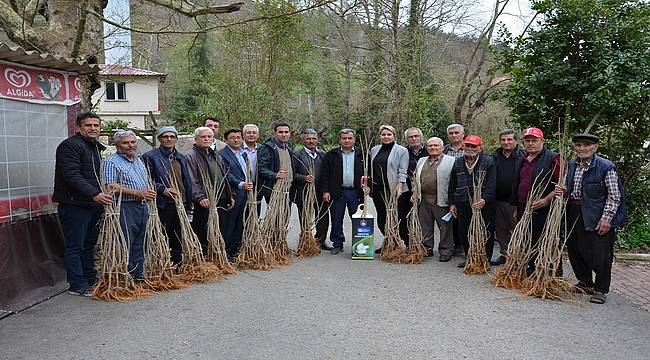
x=38, y=86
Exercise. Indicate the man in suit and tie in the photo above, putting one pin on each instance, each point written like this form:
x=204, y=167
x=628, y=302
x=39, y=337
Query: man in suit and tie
x=239, y=179
x=308, y=170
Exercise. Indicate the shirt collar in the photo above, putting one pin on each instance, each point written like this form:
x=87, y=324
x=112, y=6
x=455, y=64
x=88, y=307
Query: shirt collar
x=237, y=152
x=126, y=158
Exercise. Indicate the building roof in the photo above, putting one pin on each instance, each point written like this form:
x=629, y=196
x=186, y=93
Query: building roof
x=19, y=55
x=121, y=70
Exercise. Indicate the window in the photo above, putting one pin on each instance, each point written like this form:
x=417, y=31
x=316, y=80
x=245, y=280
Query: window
x=115, y=91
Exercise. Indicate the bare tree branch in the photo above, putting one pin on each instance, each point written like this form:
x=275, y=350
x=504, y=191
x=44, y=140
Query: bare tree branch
x=191, y=10
x=207, y=29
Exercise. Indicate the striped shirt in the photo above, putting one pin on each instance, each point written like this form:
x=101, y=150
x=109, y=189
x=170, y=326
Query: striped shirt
x=611, y=182
x=132, y=174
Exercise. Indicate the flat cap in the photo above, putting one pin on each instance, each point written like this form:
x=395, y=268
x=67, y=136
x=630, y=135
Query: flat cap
x=585, y=137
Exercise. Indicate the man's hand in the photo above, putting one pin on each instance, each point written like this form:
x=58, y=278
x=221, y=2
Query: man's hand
x=205, y=203
x=327, y=197
x=281, y=174
x=170, y=192
x=232, y=203
x=103, y=199
x=603, y=227
x=541, y=203
x=453, y=211
x=148, y=194
x=366, y=190
x=413, y=199
x=479, y=204
x=398, y=189
x=514, y=213
x=248, y=186
x=310, y=178
x=559, y=190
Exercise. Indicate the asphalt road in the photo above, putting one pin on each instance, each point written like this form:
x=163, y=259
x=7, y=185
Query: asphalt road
x=331, y=307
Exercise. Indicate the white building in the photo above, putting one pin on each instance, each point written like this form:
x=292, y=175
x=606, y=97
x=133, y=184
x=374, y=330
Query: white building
x=127, y=94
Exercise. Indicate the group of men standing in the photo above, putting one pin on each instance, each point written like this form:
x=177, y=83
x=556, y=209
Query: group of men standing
x=445, y=176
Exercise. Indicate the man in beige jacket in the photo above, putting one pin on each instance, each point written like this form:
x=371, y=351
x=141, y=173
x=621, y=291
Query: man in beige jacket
x=432, y=179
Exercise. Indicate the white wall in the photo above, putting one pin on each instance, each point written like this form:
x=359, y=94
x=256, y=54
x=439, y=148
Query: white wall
x=141, y=97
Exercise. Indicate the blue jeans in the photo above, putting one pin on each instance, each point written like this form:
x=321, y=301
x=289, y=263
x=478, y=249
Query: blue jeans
x=133, y=219
x=349, y=199
x=80, y=228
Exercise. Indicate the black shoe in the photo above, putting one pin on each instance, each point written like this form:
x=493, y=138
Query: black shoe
x=231, y=258
x=378, y=251
x=324, y=246
x=336, y=250
x=461, y=264
x=429, y=252
x=87, y=292
x=499, y=261
x=445, y=258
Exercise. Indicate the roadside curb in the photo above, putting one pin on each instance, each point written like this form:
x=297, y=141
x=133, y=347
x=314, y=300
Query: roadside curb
x=632, y=256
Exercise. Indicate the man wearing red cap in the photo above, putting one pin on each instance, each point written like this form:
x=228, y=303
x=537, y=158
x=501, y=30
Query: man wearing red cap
x=461, y=190
x=542, y=164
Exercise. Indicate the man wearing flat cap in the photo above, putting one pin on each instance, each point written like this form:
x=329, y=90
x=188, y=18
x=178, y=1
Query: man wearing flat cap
x=539, y=166
x=168, y=168
x=596, y=206
x=464, y=174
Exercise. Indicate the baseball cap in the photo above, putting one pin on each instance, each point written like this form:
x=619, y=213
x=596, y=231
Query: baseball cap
x=473, y=140
x=535, y=132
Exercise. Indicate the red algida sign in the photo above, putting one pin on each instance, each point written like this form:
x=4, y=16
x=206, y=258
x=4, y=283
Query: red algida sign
x=39, y=86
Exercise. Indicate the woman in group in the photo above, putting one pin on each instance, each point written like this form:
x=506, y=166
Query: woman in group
x=388, y=172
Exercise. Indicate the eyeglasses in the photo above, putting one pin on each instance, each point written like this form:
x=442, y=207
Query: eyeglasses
x=168, y=136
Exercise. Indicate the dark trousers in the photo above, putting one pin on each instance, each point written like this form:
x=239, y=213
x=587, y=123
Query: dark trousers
x=171, y=222
x=589, y=252
x=537, y=224
x=504, y=223
x=80, y=228
x=350, y=200
x=465, y=217
x=321, y=212
x=402, y=213
x=133, y=219
x=232, y=223
x=404, y=206
x=200, y=225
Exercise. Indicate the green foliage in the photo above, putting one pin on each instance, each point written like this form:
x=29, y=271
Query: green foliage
x=245, y=75
x=635, y=236
x=114, y=124
x=590, y=59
